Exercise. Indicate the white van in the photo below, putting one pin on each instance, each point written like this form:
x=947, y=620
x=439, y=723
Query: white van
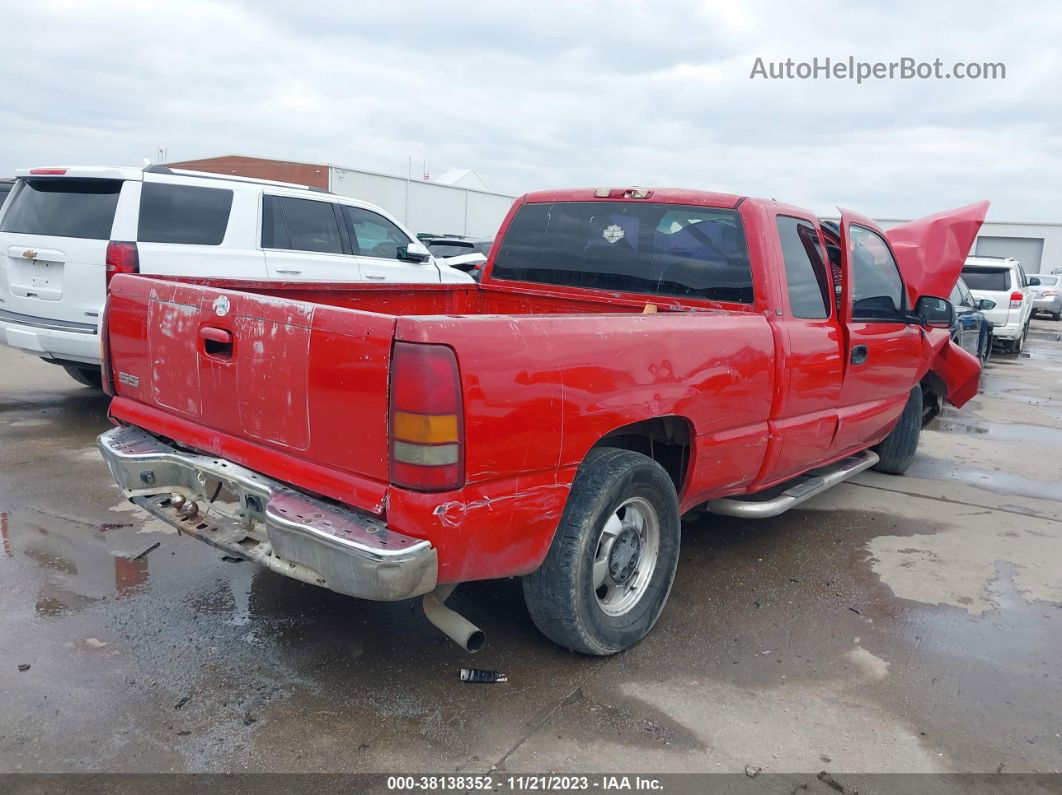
x=1001, y=283
x=64, y=231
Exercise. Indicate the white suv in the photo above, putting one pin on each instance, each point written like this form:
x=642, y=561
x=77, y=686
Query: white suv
x=1001, y=282
x=65, y=231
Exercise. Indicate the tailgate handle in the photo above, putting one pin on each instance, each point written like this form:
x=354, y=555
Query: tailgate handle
x=217, y=342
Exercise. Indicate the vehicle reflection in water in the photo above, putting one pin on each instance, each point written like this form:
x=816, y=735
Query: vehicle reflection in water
x=77, y=566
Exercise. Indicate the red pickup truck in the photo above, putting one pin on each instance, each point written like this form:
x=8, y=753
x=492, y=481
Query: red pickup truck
x=631, y=355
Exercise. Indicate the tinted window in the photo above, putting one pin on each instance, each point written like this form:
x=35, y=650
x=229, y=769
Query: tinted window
x=877, y=290
x=306, y=225
x=997, y=279
x=451, y=249
x=805, y=270
x=660, y=249
x=372, y=235
x=183, y=214
x=960, y=296
x=63, y=207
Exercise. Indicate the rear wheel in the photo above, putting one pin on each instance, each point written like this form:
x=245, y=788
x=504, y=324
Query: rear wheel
x=1056, y=315
x=609, y=570
x=89, y=376
x=897, y=451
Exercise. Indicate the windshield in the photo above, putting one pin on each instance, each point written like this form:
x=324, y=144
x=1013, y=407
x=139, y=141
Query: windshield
x=997, y=279
x=659, y=249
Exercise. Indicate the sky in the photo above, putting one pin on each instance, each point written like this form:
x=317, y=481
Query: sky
x=541, y=94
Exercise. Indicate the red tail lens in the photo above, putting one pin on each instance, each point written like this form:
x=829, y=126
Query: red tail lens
x=48, y=172
x=427, y=434
x=1015, y=299
x=121, y=258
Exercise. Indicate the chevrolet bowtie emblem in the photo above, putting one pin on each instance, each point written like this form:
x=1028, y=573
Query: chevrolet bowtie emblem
x=29, y=254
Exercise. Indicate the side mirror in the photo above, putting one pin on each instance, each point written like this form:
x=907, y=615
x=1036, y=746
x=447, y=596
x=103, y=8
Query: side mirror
x=1034, y=282
x=934, y=312
x=984, y=303
x=414, y=252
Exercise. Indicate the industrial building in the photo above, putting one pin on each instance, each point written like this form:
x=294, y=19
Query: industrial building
x=457, y=202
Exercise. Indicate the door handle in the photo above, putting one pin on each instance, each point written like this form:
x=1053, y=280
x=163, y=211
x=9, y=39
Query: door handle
x=286, y=270
x=376, y=276
x=217, y=342
x=859, y=354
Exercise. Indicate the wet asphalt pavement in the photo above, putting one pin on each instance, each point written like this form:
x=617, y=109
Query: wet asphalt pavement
x=893, y=624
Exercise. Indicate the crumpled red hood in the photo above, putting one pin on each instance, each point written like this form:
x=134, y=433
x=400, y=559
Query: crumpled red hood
x=930, y=251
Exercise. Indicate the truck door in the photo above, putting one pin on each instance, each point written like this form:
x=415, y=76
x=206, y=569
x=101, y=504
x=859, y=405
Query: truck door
x=810, y=343
x=882, y=350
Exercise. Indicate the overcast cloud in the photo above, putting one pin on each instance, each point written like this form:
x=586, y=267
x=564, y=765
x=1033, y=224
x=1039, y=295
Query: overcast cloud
x=540, y=94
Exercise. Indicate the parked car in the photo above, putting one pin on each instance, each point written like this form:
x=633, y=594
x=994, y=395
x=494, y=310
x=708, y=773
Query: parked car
x=630, y=355
x=1002, y=281
x=66, y=231
x=971, y=330
x=1047, y=294
x=468, y=254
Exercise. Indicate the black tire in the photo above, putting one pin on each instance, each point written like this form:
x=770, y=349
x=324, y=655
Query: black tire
x=561, y=597
x=89, y=376
x=897, y=451
x=1056, y=315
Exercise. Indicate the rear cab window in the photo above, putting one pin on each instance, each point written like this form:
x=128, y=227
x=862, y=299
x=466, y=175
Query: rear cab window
x=183, y=214
x=62, y=207
x=989, y=279
x=651, y=248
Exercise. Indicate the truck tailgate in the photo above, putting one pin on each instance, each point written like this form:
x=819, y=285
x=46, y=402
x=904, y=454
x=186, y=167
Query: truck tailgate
x=260, y=372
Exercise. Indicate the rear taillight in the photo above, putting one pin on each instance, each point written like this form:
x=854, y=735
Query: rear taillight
x=1048, y=294
x=121, y=258
x=427, y=444
x=1015, y=299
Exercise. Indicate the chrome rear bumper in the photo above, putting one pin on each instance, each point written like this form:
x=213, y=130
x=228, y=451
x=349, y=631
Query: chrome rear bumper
x=274, y=525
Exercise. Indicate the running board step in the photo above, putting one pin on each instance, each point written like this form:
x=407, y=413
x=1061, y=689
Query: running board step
x=790, y=494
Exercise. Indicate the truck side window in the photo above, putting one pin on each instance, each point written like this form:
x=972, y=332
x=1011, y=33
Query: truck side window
x=300, y=225
x=805, y=270
x=877, y=289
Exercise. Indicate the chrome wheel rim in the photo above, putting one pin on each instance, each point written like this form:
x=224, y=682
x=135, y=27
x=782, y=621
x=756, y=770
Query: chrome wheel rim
x=626, y=555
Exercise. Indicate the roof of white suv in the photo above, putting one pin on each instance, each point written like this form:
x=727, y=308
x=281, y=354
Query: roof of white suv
x=137, y=174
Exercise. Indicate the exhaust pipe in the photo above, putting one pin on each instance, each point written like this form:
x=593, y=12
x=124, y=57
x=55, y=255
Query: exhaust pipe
x=463, y=632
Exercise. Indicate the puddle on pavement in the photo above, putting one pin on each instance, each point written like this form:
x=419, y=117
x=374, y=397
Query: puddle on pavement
x=1007, y=432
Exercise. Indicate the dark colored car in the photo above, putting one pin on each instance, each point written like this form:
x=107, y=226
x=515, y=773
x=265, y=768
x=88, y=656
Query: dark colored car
x=445, y=247
x=970, y=329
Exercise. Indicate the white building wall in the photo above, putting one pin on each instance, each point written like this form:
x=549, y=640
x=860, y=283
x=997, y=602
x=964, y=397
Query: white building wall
x=425, y=206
